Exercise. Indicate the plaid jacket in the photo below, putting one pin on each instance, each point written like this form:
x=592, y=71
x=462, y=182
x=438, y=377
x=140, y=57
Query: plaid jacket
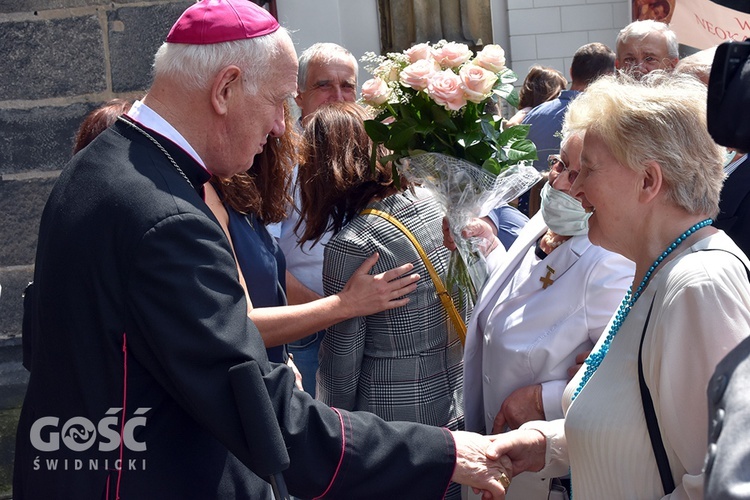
x=405, y=363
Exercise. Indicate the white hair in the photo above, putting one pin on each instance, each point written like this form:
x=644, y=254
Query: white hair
x=321, y=53
x=661, y=118
x=194, y=66
x=640, y=29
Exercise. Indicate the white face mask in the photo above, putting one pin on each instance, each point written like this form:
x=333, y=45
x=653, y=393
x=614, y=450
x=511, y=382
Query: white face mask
x=562, y=213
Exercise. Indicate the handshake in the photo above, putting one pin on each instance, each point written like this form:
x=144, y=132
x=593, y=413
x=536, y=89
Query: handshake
x=487, y=463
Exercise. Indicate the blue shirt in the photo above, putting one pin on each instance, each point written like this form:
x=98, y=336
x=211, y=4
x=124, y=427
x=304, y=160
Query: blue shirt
x=546, y=123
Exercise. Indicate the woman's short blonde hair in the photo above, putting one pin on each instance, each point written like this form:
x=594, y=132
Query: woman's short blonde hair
x=661, y=118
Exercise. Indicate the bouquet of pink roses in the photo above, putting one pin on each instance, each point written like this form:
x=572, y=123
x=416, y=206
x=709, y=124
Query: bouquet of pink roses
x=438, y=116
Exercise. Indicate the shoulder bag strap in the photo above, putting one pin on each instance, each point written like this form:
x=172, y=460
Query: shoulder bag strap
x=445, y=298
x=662, y=461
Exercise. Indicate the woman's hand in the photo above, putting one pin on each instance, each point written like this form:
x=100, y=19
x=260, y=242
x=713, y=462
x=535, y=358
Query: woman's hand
x=523, y=405
x=366, y=294
x=481, y=228
x=526, y=449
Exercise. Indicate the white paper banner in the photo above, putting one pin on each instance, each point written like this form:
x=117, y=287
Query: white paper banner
x=697, y=23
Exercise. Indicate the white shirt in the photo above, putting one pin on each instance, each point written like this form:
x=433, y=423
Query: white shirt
x=305, y=261
x=149, y=118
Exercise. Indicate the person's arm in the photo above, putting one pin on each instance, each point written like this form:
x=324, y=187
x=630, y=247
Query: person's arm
x=536, y=446
x=362, y=295
x=340, y=356
x=190, y=330
x=603, y=288
x=521, y=406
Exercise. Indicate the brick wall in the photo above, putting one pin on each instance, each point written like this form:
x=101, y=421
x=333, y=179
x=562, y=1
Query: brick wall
x=60, y=59
x=548, y=32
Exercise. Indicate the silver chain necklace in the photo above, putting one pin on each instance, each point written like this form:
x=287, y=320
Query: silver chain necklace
x=166, y=153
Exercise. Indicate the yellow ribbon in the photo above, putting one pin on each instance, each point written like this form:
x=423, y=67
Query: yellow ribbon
x=445, y=298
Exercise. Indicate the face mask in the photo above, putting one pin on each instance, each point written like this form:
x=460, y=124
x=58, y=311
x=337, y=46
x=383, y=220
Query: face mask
x=562, y=213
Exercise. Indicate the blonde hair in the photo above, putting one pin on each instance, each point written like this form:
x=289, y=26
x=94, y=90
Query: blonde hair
x=661, y=118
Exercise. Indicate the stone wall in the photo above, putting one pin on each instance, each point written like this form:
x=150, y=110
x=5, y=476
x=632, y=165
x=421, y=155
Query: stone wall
x=60, y=59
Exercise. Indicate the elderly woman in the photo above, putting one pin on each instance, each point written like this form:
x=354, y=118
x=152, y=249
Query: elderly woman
x=651, y=177
x=545, y=302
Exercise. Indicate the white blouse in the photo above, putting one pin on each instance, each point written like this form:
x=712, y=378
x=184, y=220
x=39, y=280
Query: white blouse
x=701, y=311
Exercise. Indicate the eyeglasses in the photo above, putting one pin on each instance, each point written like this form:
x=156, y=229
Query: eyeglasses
x=557, y=165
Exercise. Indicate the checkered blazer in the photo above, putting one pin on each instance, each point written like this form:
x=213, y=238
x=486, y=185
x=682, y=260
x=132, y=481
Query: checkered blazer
x=405, y=363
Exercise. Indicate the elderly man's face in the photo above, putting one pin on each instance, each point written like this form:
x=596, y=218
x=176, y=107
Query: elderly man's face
x=255, y=116
x=641, y=56
x=327, y=82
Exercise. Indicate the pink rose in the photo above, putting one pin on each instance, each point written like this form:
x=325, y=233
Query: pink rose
x=418, y=52
x=477, y=81
x=492, y=58
x=452, y=54
x=445, y=89
x=375, y=92
x=417, y=75
x=388, y=71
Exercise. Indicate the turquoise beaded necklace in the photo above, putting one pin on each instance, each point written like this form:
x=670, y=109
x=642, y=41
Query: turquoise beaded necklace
x=595, y=358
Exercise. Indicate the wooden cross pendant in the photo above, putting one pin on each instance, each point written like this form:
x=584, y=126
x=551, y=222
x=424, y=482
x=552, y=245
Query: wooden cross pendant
x=547, y=280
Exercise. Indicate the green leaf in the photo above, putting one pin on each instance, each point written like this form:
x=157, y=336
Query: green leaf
x=503, y=90
x=513, y=98
x=401, y=133
x=507, y=76
x=469, y=139
x=383, y=114
x=479, y=152
x=393, y=157
x=424, y=128
x=514, y=133
x=491, y=165
x=490, y=128
x=377, y=131
x=522, y=150
x=443, y=118
x=501, y=156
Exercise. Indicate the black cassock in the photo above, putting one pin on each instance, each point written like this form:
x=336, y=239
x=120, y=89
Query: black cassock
x=137, y=326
